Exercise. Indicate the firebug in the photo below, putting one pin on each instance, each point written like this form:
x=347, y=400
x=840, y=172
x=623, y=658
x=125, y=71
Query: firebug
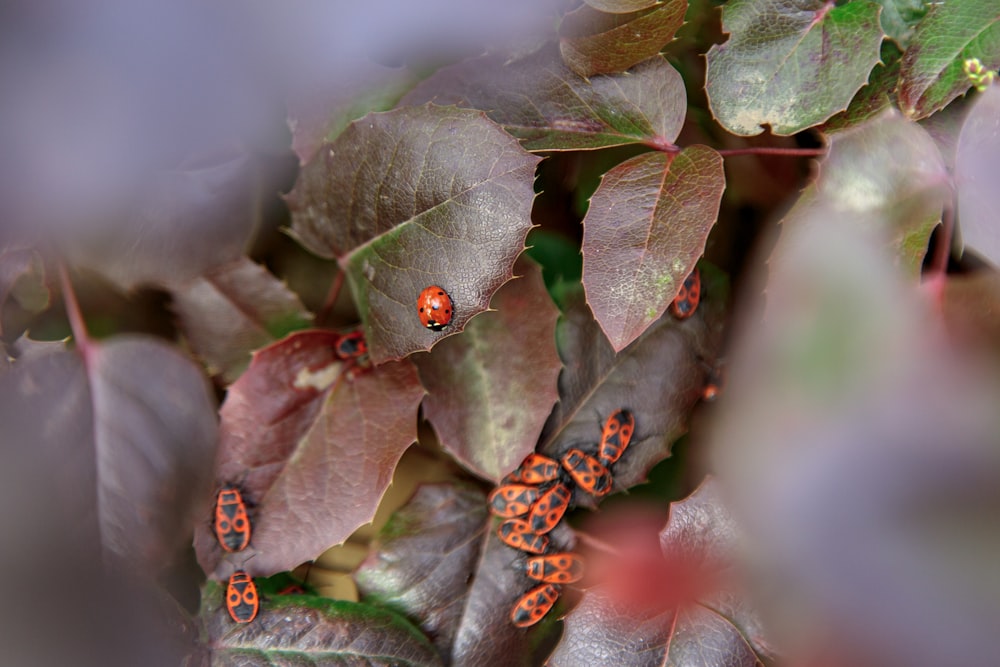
x=351, y=345
x=517, y=533
x=616, y=435
x=533, y=605
x=589, y=474
x=511, y=500
x=686, y=301
x=232, y=525
x=548, y=510
x=241, y=597
x=434, y=308
x=561, y=568
x=537, y=469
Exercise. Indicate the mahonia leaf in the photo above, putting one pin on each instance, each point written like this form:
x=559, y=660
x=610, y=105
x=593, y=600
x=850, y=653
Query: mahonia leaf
x=665, y=606
x=491, y=389
x=595, y=42
x=782, y=64
x=416, y=197
x=659, y=378
x=977, y=163
x=643, y=233
x=311, y=447
x=128, y=429
x=932, y=74
x=621, y=6
x=878, y=94
x=899, y=17
x=23, y=292
x=886, y=173
x=300, y=629
x=230, y=312
x=543, y=103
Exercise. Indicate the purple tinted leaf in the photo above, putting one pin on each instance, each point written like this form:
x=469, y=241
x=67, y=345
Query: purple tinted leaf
x=295, y=629
x=594, y=42
x=543, y=103
x=491, y=390
x=190, y=221
x=621, y=6
x=659, y=378
x=238, y=308
x=311, y=448
x=643, y=233
x=416, y=197
x=23, y=292
x=129, y=443
x=789, y=64
x=425, y=557
x=931, y=74
x=977, y=161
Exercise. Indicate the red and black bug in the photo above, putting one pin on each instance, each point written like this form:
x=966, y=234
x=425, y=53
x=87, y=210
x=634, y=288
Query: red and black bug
x=561, y=568
x=615, y=436
x=517, y=533
x=351, y=345
x=536, y=469
x=686, y=301
x=589, y=474
x=714, y=384
x=511, y=500
x=434, y=308
x=548, y=510
x=232, y=525
x=241, y=597
x=533, y=605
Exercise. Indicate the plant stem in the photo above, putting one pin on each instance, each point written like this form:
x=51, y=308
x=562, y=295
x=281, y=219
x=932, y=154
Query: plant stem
x=76, y=323
x=331, y=297
x=773, y=150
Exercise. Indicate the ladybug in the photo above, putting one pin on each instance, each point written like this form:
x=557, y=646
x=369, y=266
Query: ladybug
x=562, y=568
x=686, y=301
x=548, y=510
x=241, y=597
x=533, y=605
x=616, y=435
x=232, y=525
x=434, y=308
x=537, y=469
x=517, y=533
x=351, y=346
x=511, y=500
x=587, y=472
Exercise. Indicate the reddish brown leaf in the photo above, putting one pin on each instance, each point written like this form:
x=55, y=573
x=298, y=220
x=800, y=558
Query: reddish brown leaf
x=491, y=389
x=593, y=42
x=659, y=378
x=314, y=450
x=644, y=232
x=128, y=435
x=416, y=197
x=548, y=107
x=230, y=312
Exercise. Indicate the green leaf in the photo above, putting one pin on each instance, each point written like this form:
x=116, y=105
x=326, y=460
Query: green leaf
x=877, y=95
x=644, y=232
x=621, y=6
x=416, y=197
x=594, y=42
x=977, y=163
x=790, y=65
x=491, y=389
x=886, y=174
x=899, y=17
x=541, y=102
x=932, y=72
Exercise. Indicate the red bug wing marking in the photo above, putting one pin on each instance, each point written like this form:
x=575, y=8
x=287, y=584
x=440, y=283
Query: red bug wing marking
x=232, y=525
x=686, y=301
x=561, y=568
x=587, y=472
x=616, y=435
x=538, y=469
x=549, y=509
x=533, y=605
x=517, y=533
x=241, y=598
x=512, y=500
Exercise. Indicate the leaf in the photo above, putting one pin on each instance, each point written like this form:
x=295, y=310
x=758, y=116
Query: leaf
x=491, y=389
x=543, y=103
x=593, y=42
x=931, y=74
x=665, y=608
x=971, y=310
x=411, y=198
x=312, y=450
x=238, y=308
x=899, y=17
x=190, y=221
x=976, y=164
x=659, y=378
x=644, y=231
x=312, y=630
x=784, y=63
x=878, y=94
x=621, y=6
x=23, y=292
x=424, y=558
x=128, y=429
x=886, y=175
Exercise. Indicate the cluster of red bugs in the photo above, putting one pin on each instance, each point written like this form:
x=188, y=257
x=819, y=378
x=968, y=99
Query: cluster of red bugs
x=533, y=500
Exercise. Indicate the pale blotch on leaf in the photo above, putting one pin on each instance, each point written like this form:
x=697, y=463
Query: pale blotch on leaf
x=318, y=379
